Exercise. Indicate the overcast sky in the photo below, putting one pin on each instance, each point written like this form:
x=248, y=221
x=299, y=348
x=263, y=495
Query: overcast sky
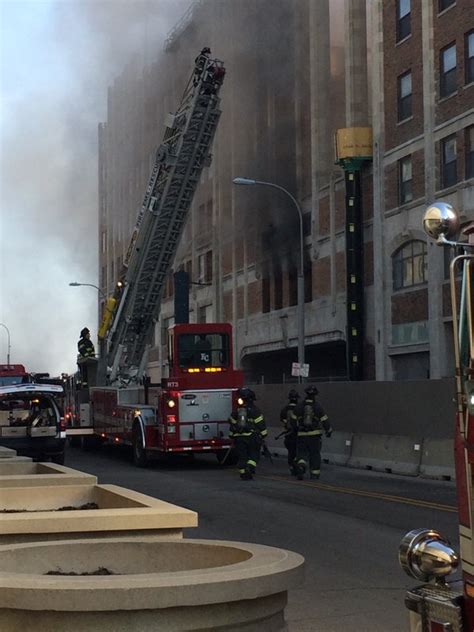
x=56, y=60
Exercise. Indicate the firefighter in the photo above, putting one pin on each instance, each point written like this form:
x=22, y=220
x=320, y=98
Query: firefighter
x=290, y=425
x=311, y=421
x=86, y=349
x=199, y=64
x=248, y=430
x=85, y=345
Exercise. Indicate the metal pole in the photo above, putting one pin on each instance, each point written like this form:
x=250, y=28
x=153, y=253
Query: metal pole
x=8, y=342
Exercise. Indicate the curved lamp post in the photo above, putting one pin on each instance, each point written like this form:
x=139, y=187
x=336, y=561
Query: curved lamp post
x=300, y=306
x=76, y=284
x=8, y=341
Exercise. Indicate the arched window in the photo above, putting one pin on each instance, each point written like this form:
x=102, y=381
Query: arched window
x=410, y=265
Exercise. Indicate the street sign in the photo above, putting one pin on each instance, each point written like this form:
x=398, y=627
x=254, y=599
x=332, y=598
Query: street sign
x=298, y=370
x=304, y=371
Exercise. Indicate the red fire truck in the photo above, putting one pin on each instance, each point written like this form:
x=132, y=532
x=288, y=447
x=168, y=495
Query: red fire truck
x=189, y=409
x=425, y=554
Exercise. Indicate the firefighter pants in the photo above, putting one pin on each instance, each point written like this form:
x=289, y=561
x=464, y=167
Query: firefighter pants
x=290, y=445
x=308, y=450
x=247, y=449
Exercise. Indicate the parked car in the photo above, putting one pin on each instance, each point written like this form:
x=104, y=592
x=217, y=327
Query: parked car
x=31, y=421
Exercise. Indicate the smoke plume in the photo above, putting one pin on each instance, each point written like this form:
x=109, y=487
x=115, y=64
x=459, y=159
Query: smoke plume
x=57, y=59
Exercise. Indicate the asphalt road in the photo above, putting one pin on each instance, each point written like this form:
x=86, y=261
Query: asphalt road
x=347, y=526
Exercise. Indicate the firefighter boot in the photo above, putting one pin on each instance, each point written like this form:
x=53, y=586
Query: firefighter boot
x=300, y=471
x=314, y=474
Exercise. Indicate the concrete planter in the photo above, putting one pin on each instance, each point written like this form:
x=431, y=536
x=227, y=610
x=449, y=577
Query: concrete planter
x=30, y=474
x=120, y=512
x=6, y=452
x=15, y=459
x=171, y=585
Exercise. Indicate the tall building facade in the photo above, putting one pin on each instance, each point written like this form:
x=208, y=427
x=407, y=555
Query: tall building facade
x=298, y=70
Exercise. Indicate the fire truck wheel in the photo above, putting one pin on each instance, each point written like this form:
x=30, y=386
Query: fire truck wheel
x=140, y=458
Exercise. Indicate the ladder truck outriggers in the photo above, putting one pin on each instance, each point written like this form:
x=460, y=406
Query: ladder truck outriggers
x=425, y=554
x=189, y=410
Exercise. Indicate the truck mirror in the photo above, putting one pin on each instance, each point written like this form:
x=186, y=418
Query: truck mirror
x=441, y=219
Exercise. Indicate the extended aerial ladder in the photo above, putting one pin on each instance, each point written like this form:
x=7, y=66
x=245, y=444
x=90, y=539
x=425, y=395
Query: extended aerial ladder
x=132, y=312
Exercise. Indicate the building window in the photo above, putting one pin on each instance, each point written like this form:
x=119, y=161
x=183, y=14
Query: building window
x=405, y=180
x=449, y=163
x=409, y=265
x=447, y=81
x=292, y=286
x=205, y=267
x=445, y=4
x=266, y=295
x=404, y=96
x=470, y=152
x=278, y=290
x=403, y=19
x=469, y=63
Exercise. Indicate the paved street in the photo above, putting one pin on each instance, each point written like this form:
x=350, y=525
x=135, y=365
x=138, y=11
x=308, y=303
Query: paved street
x=347, y=526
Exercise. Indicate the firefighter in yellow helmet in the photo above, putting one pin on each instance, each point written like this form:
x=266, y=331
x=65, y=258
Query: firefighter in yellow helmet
x=312, y=422
x=248, y=430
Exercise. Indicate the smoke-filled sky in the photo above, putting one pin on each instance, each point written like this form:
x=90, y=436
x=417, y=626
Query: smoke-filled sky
x=56, y=60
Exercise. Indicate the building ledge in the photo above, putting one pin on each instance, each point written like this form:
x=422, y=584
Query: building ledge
x=404, y=349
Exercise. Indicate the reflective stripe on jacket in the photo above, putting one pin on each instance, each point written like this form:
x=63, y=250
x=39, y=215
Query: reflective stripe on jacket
x=320, y=419
x=255, y=424
x=85, y=348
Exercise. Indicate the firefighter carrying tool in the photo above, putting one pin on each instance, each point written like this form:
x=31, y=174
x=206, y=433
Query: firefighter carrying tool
x=424, y=554
x=248, y=430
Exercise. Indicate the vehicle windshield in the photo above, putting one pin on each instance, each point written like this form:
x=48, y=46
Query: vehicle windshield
x=203, y=350
x=8, y=380
x=27, y=410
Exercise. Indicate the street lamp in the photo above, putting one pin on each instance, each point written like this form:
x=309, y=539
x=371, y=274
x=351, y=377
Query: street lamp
x=300, y=306
x=76, y=284
x=8, y=342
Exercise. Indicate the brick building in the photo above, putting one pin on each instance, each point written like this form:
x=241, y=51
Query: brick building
x=406, y=69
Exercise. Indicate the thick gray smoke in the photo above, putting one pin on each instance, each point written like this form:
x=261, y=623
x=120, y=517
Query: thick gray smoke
x=57, y=59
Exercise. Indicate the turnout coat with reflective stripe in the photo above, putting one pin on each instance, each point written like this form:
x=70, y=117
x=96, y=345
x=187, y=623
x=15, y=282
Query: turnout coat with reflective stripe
x=255, y=423
x=320, y=419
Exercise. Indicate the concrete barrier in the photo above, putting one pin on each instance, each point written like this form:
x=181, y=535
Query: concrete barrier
x=437, y=459
x=337, y=449
x=386, y=453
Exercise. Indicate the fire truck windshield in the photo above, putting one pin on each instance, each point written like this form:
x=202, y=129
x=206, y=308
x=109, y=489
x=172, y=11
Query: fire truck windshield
x=8, y=380
x=203, y=350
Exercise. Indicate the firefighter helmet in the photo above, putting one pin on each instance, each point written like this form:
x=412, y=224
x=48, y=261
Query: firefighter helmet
x=247, y=394
x=84, y=332
x=293, y=395
x=311, y=390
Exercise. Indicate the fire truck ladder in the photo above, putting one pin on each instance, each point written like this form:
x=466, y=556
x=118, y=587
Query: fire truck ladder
x=161, y=220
